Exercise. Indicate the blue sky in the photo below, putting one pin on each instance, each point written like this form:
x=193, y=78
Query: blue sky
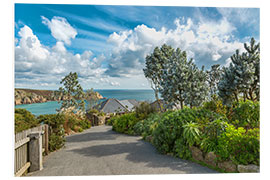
x=106, y=45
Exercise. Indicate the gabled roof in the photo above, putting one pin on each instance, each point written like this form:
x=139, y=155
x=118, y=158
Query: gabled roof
x=134, y=102
x=127, y=104
x=111, y=105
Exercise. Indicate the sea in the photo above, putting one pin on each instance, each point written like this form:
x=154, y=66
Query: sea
x=120, y=94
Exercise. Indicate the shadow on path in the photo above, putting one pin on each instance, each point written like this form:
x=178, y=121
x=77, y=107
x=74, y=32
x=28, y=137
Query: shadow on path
x=92, y=136
x=139, y=152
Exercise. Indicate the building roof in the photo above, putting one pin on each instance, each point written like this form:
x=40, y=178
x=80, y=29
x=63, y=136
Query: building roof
x=127, y=104
x=111, y=106
x=114, y=105
x=134, y=102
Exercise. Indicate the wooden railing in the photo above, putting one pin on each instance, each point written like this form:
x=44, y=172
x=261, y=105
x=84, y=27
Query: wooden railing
x=22, y=156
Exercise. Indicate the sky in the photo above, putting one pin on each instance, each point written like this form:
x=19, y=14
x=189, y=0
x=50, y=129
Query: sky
x=107, y=45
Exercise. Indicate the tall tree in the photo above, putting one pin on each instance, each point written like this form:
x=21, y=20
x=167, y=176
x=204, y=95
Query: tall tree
x=92, y=98
x=214, y=75
x=182, y=82
x=242, y=77
x=154, y=66
x=72, y=94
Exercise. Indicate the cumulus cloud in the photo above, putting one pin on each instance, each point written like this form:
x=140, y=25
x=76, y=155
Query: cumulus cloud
x=61, y=30
x=206, y=42
x=36, y=61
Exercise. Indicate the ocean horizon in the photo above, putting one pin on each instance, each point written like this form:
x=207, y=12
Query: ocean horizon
x=120, y=94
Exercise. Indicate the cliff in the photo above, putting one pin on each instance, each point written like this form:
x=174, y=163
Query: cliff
x=29, y=96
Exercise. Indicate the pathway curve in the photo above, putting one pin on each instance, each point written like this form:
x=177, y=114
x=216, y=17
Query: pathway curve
x=101, y=151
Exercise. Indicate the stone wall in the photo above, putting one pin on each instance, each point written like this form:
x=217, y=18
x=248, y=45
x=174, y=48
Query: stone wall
x=228, y=166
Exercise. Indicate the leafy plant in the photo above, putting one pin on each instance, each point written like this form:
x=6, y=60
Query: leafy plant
x=57, y=132
x=125, y=123
x=181, y=149
x=239, y=145
x=191, y=133
x=24, y=120
x=246, y=114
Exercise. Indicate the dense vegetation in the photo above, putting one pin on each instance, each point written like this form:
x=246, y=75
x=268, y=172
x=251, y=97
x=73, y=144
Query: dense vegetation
x=68, y=119
x=60, y=124
x=219, y=108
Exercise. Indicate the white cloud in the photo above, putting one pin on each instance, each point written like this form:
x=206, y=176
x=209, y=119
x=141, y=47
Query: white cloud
x=61, y=30
x=40, y=64
x=207, y=42
x=115, y=83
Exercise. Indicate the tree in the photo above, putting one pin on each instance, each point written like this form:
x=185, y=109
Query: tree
x=213, y=79
x=72, y=94
x=242, y=78
x=92, y=98
x=196, y=90
x=182, y=82
x=154, y=66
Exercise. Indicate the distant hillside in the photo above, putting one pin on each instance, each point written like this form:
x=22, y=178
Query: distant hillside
x=29, y=96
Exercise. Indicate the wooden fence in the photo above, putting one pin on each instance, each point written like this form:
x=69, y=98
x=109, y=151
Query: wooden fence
x=22, y=139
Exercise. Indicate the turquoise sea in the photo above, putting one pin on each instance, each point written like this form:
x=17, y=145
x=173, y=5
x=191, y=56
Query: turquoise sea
x=50, y=107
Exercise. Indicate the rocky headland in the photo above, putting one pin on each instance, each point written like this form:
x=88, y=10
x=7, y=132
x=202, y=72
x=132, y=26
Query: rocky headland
x=30, y=96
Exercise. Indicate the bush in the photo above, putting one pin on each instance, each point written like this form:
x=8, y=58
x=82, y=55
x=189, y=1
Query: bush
x=184, y=125
x=210, y=134
x=147, y=126
x=215, y=105
x=239, y=145
x=143, y=110
x=56, y=142
x=246, y=114
x=57, y=132
x=181, y=149
x=125, y=123
x=24, y=120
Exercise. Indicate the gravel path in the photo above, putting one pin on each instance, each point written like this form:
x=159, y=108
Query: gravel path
x=101, y=151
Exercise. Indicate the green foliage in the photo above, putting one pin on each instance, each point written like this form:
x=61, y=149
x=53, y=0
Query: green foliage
x=24, y=120
x=143, y=110
x=57, y=132
x=214, y=76
x=191, y=133
x=181, y=149
x=154, y=65
x=246, y=114
x=215, y=105
x=125, y=123
x=211, y=133
x=147, y=126
x=72, y=94
x=84, y=124
x=242, y=77
x=239, y=145
x=92, y=98
x=56, y=142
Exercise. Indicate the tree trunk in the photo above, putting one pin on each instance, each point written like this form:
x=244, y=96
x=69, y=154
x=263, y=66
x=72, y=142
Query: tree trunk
x=158, y=101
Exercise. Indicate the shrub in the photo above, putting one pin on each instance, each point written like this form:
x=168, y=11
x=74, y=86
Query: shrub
x=24, y=120
x=56, y=142
x=57, y=132
x=125, y=123
x=147, y=126
x=143, y=110
x=181, y=149
x=239, y=145
x=246, y=114
x=172, y=124
x=211, y=132
x=215, y=105
x=191, y=133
